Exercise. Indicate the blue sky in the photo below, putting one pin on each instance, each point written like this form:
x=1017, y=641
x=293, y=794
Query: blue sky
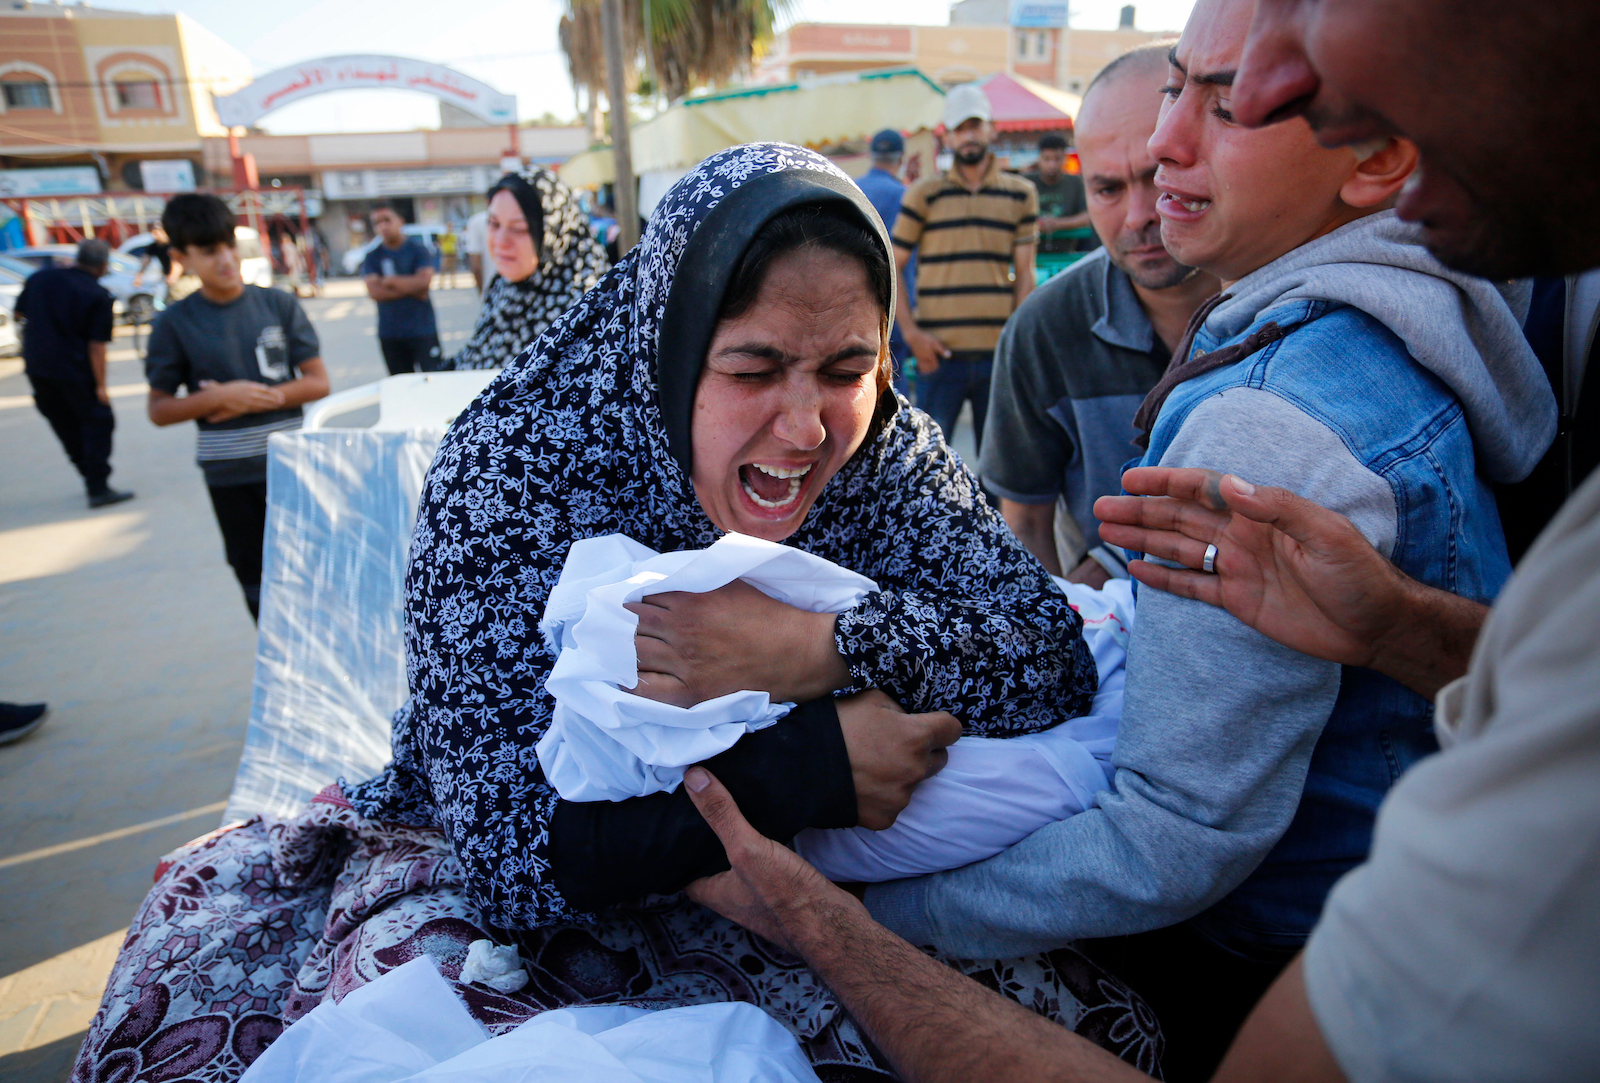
x=510, y=44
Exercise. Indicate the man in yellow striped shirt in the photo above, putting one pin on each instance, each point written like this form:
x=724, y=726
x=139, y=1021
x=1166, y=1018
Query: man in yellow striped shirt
x=975, y=233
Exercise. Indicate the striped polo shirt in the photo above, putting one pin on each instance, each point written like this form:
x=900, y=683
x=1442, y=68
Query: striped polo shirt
x=964, y=241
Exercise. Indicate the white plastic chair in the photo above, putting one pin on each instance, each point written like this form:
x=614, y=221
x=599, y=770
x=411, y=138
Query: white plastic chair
x=412, y=400
x=330, y=664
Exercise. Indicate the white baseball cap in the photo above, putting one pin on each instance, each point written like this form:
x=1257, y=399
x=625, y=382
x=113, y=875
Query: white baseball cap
x=964, y=102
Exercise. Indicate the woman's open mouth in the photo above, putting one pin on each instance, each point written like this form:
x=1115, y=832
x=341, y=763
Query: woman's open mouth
x=774, y=488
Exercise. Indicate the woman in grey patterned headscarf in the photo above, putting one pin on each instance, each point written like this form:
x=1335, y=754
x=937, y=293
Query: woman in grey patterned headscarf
x=544, y=258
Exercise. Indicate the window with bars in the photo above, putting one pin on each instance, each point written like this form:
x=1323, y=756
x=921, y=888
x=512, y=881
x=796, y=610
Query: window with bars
x=27, y=94
x=137, y=94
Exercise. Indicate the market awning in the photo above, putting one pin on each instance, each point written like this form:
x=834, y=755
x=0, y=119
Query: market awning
x=1021, y=104
x=819, y=112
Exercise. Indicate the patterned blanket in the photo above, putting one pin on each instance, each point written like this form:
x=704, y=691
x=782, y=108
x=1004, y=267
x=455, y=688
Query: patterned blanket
x=250, y=928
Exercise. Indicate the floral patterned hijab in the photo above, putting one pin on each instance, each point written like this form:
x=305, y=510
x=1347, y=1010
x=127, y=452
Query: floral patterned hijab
x=571, y=262
x=580, y=436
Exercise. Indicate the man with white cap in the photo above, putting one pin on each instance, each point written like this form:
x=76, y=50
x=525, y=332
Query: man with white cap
x=970, y=228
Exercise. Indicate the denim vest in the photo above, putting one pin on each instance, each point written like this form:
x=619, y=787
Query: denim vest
x=1351, y=373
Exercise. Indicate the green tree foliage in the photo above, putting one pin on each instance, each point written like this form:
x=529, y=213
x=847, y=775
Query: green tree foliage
x=690, y=43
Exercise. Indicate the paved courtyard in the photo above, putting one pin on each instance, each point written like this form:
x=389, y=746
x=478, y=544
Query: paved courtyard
x=128, y=622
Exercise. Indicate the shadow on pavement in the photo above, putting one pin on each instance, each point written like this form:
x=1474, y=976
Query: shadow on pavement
x=47, y=1064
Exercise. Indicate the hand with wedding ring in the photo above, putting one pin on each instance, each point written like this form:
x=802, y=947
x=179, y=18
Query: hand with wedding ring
x=1316, y=585
x=1292, y=570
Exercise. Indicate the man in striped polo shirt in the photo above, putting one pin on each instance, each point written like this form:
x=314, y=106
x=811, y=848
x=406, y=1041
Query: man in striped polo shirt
x=247, y=358
x=974, y=231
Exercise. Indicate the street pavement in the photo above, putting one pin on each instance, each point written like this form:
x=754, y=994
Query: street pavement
x=129, y=623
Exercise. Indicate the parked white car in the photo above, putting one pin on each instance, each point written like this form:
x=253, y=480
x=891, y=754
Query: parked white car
x=133, y=304
x=13, y=273
x=254, y=265
x=10, y=340
x=429, y=233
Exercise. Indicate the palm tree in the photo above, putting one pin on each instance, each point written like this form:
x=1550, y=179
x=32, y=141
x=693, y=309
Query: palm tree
x=692, y=43
x=699, y=42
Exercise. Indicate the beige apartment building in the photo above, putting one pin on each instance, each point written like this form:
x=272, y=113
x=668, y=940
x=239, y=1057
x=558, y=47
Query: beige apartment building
x=97, y=100
x=980, y=41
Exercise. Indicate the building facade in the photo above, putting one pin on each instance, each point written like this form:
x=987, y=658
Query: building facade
x=972, y=47
x=98, y=101
x=122, y=94
x=434, y=176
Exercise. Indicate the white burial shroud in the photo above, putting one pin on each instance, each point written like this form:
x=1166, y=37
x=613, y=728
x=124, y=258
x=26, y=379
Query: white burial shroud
x=607, y=744
x=410, y=1026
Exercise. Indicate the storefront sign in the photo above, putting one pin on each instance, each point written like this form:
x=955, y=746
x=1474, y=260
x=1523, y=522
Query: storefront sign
x=377, y=183
x=71, y=180
x=167, y=175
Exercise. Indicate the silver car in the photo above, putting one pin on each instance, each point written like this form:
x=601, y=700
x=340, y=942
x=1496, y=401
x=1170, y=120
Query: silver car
x=133, y=304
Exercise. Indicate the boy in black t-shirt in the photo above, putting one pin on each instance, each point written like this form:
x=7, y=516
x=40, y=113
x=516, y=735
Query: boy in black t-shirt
x=247, y=357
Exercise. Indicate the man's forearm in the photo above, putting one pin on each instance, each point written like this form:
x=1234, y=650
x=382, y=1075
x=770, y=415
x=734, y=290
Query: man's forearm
x=416, y=284
x=1431, y=644
x=167, y=409
x=1034, y=526
x=97, y=362
x=1026, y=259
x=307, y=388
x=902, y=302
x=951, y=1028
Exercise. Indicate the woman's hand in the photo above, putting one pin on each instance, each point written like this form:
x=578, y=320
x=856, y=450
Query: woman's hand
x=695, y=647
x=891, y=752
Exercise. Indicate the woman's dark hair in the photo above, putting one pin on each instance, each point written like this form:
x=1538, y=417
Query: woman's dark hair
x=814, y=227
x=195, y=218
x=527, y=197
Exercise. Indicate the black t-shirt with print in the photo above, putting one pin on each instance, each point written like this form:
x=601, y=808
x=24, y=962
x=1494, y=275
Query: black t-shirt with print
x=1062, y=198
x=262, y=335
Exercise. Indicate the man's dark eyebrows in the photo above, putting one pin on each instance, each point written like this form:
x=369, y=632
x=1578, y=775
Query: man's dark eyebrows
x=1217, y=78
x=1106, y=178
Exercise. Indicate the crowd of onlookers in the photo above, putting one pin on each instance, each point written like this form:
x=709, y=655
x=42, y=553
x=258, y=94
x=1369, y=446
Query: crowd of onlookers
x=1344, y=451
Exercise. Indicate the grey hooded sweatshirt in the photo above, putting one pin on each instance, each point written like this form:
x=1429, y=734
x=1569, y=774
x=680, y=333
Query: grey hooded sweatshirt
x=1220, y=723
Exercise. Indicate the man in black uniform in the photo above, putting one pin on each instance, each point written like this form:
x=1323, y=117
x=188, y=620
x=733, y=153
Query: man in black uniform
x=66, y=316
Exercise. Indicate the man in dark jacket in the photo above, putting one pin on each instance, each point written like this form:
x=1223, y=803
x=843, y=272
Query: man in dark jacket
x=66, y=316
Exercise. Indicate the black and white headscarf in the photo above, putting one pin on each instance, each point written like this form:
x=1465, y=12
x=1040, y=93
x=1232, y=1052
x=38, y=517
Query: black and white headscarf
x=571, y=261
x=579, y=437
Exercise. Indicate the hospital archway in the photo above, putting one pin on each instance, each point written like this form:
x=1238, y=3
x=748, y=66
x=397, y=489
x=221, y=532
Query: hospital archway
x=245, y=107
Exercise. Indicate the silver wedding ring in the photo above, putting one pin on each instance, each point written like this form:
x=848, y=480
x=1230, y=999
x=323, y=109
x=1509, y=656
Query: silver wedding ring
x=1209, y=564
